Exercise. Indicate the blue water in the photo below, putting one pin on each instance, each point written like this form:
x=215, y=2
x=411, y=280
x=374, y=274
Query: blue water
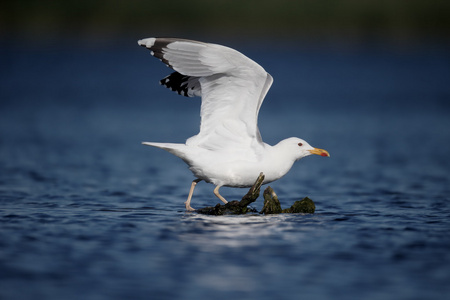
x=86, y=212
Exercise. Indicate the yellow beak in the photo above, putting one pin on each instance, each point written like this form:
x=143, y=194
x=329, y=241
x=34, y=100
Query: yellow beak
x=320, y=152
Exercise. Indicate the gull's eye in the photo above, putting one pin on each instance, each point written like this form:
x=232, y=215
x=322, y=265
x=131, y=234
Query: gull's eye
x=300, y=144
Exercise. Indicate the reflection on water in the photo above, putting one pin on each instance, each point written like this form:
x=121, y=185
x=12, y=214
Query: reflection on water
x=233, y=231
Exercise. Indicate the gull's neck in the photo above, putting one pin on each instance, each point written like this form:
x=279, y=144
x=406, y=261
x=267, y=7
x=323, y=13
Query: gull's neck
x=278, y=161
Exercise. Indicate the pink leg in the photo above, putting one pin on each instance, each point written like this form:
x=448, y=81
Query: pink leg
x=216, y=192
x=191, y=192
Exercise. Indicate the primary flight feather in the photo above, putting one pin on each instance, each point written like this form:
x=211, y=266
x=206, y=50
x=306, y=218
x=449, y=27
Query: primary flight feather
x=228, y=150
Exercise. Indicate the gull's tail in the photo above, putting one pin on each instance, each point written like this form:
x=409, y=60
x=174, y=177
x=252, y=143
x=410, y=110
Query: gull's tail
x=176, y=149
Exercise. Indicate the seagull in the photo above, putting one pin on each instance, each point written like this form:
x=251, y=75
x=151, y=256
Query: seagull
x=228, y=150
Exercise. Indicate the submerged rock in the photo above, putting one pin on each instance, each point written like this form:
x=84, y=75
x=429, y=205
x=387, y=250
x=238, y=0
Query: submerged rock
x=231, y=208
x=236, y=207
x=305, y=206
x=271, y=203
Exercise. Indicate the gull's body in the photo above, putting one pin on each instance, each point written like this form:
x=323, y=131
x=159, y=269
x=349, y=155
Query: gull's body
x=228, y=150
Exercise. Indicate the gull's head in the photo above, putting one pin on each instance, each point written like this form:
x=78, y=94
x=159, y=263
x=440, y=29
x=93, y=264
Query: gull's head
x=299, y=148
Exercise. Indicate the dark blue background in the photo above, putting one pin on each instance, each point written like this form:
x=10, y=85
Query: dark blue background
x=86, y=211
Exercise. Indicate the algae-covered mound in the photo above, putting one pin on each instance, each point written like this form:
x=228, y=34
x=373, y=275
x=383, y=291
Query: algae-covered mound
x=236, y=207
x=231, y=208
x=305, y=206
x=271, y=203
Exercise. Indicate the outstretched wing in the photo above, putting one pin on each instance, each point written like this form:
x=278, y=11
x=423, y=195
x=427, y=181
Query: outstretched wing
x=231, y=85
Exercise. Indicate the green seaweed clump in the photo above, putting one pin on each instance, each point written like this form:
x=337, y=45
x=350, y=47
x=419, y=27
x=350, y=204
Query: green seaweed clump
x=271, y=203
x=236, y=207
x=305, y=206
x=231, y=208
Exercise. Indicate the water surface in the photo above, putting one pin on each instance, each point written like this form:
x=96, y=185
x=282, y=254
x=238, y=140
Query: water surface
x=86, y=210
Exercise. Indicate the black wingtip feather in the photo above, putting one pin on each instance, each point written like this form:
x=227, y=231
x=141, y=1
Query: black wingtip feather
x=177, y=83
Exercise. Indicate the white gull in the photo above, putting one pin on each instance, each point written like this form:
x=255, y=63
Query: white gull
x=228, y=150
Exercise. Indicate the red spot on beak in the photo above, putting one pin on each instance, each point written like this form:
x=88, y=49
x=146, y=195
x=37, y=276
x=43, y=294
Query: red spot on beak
x=320, y=152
